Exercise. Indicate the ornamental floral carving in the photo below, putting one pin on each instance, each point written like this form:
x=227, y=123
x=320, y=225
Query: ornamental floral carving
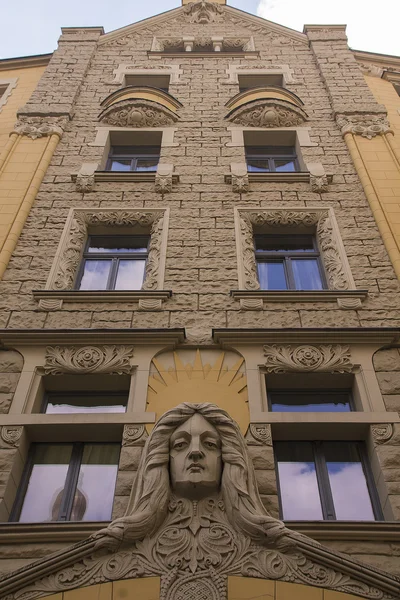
x=328, y=359
x=268, y=113
x=319, y=183
x=382, y=433
x=204, y=12
x=11, y=435
x=88, y=359
x=85, y=183
x=71, y=251
x=368, y=126
x=240, y=183
x=322, y=220
x=138, y=113
x=38, y=127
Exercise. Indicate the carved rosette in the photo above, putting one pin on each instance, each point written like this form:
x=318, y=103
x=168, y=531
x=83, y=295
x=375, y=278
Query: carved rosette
x=240, y=183
x=368, y=126
x=138, y=113
x=382, y=433
x=11, y=435
x=38, y=127
x=70, y=256
x=204, y=12
x=319, y=183
x=268, y=113
x=163, y=184
x=330, y=254
x=88, y=359
x=328, y=359
x=85, y=183
x=134, y=435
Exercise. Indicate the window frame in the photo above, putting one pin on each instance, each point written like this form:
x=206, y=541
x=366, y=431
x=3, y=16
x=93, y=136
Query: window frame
x=285, y=257
x=271, y=157
x=115, y=258
x=322, y=477
x=47, y=395
x=71, y=479
x=310, y=391
x=133, y=157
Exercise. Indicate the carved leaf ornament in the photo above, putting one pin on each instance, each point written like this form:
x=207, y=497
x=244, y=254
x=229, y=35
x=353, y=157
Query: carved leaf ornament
x=89, y=359
x=329, y=359
x=334, y=270
x=268, y=113
x=138, y=113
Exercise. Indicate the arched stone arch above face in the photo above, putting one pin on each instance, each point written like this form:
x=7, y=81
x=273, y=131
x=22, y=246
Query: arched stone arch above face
x=138, y=113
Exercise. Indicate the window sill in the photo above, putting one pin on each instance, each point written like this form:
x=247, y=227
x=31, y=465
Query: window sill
x=297, y=177
x=254, y=300
x=147, y=300
x=38, y=533
x=126, y=177
x=347, y=530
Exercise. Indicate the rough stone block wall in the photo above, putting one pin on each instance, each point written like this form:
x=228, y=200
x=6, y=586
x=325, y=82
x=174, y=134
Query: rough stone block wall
x=11, y=364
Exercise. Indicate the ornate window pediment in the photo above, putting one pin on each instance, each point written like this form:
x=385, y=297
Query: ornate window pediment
x=203, y=44
x=267, y=106
x=144, y=106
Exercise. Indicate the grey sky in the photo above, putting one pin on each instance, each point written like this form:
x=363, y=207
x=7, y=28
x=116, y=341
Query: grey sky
x=33, y=27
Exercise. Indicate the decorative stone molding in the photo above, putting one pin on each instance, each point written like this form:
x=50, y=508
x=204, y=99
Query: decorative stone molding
x=333, y=256
x=138, y=113
x=366, y=125
x=370, y=69
x=325, y=358
x=114, y=360
x=50, y=305
x=240, y=178
x=173, y=71
x=9, y=85
x=349, y=303
x=163, y=182
x=134, y=435
x=382, y=433
x=203, y=44
x=259, y=434
x=204, y=12
x=268, y=113
x=233, y=72
x=150, y=304
x=68, y=257
x=11, y=436
x=38, y=127
x=85, y=179
x=318, y=178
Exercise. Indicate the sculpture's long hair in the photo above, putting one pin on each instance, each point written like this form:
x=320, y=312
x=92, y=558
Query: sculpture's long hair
x=150, y=496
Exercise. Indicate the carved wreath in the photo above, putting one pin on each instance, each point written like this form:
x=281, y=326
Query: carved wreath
x=329, y=359
x=268, y=113
x=328, y=245
x=70, y=256
x=89, y=359
x=138, y=113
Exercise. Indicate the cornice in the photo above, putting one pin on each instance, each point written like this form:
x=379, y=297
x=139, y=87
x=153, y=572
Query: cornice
x=383, y=60
x=24, y=62
x=43, y=337
x=389, y=336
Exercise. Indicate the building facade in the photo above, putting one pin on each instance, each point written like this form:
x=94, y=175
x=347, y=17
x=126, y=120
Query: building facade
x=206, y=224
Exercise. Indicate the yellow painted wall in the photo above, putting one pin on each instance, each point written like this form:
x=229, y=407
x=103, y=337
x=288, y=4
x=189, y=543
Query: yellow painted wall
x=239, y=588
x=27, y=81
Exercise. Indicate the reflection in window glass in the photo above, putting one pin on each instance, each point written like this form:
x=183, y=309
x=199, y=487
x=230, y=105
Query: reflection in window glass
x=95, y=275
x=94, y=496
x=78, y=402
x=46, y=483
x=298, y=482
x=285, y=166
x=120, y=165
x=306, y=274
x=309, y=401
x=272, y=275
x=130, y=275
x=348, y=483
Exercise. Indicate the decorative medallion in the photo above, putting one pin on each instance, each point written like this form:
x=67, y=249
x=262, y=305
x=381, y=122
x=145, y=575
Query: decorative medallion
x=382, y=433
x=11, y=435
x=329, y=359
x=89, y=359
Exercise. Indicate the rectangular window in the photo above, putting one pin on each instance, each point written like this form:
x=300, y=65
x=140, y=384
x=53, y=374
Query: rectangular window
x=325, y=481
x=3, y=89
x=156, y=81
x=143, y=159
x=114, y=263
x=68, y=482
x=310, y=400
x=61, y=403
x=249, y=82
x=271, y=159
x=288, y=262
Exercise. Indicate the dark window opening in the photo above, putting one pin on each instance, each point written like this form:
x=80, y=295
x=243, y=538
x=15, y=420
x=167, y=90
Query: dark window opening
x=84, y=402
x=249, y=82
x=133, y=158
x=271, y=159
x=157, y=81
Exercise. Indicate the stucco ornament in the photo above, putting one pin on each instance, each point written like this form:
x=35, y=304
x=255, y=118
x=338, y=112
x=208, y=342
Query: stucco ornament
x=382, y=433
x=88, y=359
x=268, y=113
x=194, y=518
x=204, y=12
x=11, y=436
x=332, y=358
x=85, y=183
x=138, y=113
x=38, y=127
x=368, y=126
x=319, y=183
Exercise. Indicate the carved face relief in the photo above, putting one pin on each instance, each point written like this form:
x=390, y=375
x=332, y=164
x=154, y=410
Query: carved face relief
x=195, y=458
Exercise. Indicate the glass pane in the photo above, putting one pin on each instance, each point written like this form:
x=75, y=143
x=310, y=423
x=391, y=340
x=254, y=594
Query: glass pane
x=130, y=274
x=120, y=165
x=94, y=494
x=272, y=275
x=85, y=403
x=284, y=243
x=118, y=244
x=130, y=151
x=272, y=151
x=298, y=482
x=285, y=166
x=95, y=275
x=147, y=164
x=257, y=165
x=46, y=483
x=309, y=401
x=348, y=483
x=306, y=274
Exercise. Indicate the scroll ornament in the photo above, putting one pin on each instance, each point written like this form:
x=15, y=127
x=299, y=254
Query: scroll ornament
x=382, y=433
x=11, y=435
x=38, y=127
x=134, y=435
x=138, y=113
x=368, y=126
x=88, y=359
x=329, y=359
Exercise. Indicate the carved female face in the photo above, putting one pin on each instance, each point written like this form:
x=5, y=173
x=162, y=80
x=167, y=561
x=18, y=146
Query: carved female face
x=195, y=458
